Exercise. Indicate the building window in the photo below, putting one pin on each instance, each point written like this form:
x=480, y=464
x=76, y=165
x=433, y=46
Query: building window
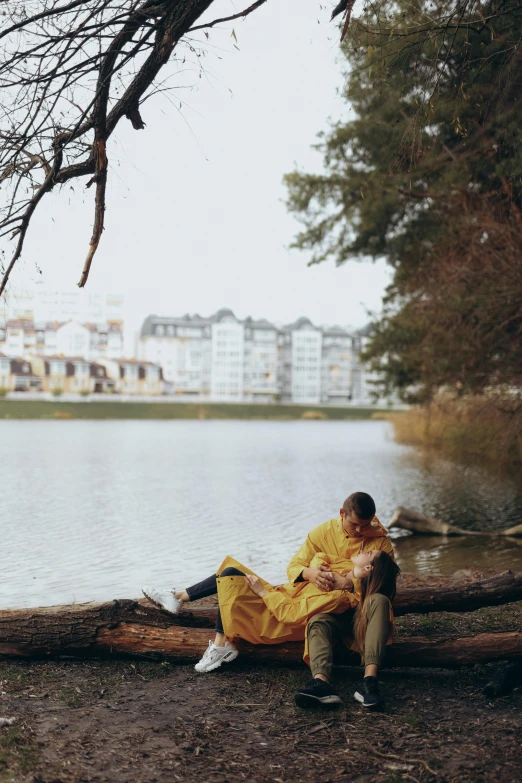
x=160, y=331
x=263, y=336
x=57, y=368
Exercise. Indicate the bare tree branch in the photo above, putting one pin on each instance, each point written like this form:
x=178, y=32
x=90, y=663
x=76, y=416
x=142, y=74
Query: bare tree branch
x=223, y=19
x=69, y=73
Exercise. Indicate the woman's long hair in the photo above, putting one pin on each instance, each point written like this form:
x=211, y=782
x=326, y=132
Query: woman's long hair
x=381, y=579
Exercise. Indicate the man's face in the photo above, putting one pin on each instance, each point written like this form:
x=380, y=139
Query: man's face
x=352, y=524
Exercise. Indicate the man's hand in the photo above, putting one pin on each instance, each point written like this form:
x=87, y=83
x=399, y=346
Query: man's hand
x=321, y=577
x=342, y=582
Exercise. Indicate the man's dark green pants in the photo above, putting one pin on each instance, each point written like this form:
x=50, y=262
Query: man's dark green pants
x=325, y=629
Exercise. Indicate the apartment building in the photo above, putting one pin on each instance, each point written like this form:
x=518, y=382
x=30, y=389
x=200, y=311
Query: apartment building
x=366, y=381
x=140, y=377
x=75, y=375
x=88, y=340
x=260, y=361
x=224, y=358
x=71, y=375
x=17, y=375
x=301, y=362
x=43, y=304
x=183, y=349
x=5, y=372
x=220, y=357
x=130, y=376
x=228, y=348
x=339, y=358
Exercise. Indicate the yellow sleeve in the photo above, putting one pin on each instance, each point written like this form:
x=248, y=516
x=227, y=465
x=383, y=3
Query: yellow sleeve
x=297, y=611
x=303, y=557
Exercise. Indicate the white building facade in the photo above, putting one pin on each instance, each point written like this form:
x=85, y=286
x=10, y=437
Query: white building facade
x=228, y=346
x=89, y=341
x=225, y=359
x=42, y=303
x=261, y=361
x=183, y=348
x=337, y=366
x=301, y=355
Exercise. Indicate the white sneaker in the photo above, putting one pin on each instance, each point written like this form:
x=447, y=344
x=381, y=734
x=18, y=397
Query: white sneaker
x=214, y=656
x=166, y=599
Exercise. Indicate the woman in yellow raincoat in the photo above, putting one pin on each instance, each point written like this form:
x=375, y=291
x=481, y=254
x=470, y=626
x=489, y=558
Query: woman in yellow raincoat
x=251, y=609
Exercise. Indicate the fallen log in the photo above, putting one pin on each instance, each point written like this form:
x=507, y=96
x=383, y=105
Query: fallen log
x=460, y=596
x=135, y=627
x=408, y=519
x=184, y=644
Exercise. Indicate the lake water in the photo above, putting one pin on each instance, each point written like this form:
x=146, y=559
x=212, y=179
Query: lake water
x=91, y=510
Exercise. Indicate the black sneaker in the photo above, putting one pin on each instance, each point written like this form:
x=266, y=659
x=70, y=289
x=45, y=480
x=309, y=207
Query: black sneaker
x=368, y=693
x=316, y=693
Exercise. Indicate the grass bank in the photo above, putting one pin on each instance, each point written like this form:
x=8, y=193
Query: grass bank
x=35, y=409
x=482, y=429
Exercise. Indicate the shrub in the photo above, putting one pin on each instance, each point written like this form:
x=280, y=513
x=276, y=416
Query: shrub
x=57, y=392
x=487, y=428
x=314, y=415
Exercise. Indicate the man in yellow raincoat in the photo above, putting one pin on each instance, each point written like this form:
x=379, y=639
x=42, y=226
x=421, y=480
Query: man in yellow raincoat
x=356, y=534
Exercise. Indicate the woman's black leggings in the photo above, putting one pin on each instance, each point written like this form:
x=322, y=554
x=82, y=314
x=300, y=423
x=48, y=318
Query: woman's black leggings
x=209, y=587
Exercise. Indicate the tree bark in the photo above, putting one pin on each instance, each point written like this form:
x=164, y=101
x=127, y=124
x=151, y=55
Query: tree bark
x=460, y=596
x=185, y=644
x=408, y=519
x=135, y=627
x=188, y=644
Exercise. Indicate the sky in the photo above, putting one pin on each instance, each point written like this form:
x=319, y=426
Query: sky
x=196, y=218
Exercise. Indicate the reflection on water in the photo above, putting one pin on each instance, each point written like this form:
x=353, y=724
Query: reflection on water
x=91, y=510
x=447, y=554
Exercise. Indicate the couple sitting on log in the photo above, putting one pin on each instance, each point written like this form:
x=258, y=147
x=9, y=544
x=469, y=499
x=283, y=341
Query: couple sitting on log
x=342, y=583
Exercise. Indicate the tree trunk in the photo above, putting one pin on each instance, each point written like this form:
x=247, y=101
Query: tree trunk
x=135, y=627
x=188, y=644
x=93, y=635
x=408, y=519
x=460, y=596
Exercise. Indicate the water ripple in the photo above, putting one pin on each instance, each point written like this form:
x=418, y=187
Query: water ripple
x=91, y=510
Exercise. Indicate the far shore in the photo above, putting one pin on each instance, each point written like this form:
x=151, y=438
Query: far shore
x=56, y=410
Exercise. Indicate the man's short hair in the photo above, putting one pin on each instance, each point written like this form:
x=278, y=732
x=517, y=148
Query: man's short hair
x=361, y=504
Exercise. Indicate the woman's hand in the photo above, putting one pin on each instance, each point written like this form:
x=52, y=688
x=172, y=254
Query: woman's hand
x=342, y=582
x=256, y=585
x=320, y=577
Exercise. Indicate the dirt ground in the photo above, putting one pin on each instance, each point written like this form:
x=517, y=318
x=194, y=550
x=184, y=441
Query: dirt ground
x=119, y=721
